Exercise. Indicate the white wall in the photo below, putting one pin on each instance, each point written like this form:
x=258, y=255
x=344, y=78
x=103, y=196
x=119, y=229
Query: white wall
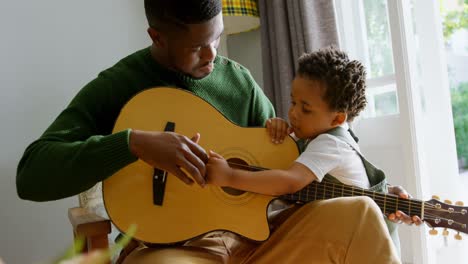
x=48, y=50
x=245, y=48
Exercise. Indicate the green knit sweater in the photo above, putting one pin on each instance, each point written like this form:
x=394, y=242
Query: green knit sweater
x=78, y=149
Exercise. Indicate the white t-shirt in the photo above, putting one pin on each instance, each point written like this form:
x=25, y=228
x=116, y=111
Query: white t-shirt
x=329, y=154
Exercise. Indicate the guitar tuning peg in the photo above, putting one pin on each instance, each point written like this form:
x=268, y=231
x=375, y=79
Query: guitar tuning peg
x=447, y=201
x=459, y=203
x=433, y=232
x=436, y=197
x=458, y=236
x=445, y=232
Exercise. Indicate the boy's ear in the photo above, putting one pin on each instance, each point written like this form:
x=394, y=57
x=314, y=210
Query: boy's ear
x=340, y=118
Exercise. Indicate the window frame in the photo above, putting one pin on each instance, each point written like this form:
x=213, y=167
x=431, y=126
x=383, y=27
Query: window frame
x=423, y=100
x=352, y=31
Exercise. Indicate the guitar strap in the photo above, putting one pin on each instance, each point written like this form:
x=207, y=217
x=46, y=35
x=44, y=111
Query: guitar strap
x=376, y=176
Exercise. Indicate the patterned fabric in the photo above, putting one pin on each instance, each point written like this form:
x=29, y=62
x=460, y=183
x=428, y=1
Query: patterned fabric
x=240, y=8
x=93, y=201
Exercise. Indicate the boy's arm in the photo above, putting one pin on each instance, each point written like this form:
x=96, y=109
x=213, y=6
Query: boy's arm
x=270, y=182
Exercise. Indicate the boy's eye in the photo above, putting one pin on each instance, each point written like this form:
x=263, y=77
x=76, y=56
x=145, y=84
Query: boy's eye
x=195, y=49
x=293, y=103
x=305, y=111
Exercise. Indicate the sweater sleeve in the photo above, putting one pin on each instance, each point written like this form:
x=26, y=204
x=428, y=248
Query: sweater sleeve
x=78, y=149
x=262, y=109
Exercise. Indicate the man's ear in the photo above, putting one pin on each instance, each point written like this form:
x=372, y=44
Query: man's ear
x=340, y=118
x=155, y=36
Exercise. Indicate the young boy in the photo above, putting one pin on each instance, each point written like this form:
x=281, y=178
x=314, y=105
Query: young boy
x=327, y=92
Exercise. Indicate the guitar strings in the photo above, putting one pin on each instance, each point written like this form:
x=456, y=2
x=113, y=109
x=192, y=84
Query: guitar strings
x=387, y=199
x=247, y=167
x=429, y=208
x=408, y=205
x=414, y=203
x=381, y=197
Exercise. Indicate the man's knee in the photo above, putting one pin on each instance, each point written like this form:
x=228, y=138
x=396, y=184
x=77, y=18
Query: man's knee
x=355, y=202
x=366, y=203
x=183, y=255
x=363, y=208
x=348, y=207
x=338, y=208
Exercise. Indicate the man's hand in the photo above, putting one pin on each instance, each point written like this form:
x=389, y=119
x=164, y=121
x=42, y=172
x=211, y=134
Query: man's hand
x=399, y=216
x=278, y=129
x=171, y=152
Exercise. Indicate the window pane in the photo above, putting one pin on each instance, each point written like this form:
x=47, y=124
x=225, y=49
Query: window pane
x=385, y=103
x=381, y=101
x=455, y=32
x=379, y=41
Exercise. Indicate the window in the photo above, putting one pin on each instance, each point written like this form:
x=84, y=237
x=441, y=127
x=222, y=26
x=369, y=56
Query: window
x=408, y=127
x=365, y=34
x=454, y=14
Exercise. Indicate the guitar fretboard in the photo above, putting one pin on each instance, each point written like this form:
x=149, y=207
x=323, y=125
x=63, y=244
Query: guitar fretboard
x=388, y=203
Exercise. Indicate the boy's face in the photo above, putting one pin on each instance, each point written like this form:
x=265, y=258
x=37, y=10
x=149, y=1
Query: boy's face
x=192, y=51
x=309, y=114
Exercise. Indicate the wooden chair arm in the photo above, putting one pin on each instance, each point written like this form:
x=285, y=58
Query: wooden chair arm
x=92, y=227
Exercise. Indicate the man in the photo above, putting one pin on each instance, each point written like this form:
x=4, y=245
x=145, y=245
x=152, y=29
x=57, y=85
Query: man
x=78, y=150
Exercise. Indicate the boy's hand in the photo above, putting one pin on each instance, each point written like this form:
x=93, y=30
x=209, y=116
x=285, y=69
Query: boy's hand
x=399, y=216
x=218, y=171
x=278, y=129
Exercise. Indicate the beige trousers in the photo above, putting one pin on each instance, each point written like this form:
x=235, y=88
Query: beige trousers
x=341, y=230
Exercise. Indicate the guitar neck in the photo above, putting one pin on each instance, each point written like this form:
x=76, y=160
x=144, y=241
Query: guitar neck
x=388, y=203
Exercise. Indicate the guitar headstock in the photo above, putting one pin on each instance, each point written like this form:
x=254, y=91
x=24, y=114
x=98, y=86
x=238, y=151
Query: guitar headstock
x=446, y=215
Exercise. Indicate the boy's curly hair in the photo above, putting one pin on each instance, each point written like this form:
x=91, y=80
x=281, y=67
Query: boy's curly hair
x=345, y=80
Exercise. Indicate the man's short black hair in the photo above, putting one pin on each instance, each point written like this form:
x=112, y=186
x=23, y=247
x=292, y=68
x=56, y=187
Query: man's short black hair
x=168, y=13
x=344, y=79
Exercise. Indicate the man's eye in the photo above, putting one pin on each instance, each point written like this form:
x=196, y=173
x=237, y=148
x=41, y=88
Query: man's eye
x=305, y=111
x=195, y=49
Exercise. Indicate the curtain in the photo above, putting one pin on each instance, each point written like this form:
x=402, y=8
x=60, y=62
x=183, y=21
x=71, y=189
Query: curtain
x=290, y=28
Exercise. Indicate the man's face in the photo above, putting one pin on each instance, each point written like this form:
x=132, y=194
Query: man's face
x=193, y=51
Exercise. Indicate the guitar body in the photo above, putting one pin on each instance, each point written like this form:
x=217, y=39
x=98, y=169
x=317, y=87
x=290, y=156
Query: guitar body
x=190, y=211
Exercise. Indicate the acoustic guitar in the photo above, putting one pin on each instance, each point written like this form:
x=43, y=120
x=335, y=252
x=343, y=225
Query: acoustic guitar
x=166, y=210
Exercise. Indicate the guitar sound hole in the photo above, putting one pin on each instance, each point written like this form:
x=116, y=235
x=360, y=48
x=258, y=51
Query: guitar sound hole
x=236, y=163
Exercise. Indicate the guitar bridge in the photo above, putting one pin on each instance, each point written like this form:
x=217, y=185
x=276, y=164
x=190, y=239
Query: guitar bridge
x=159, y=186
x=159, y=176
